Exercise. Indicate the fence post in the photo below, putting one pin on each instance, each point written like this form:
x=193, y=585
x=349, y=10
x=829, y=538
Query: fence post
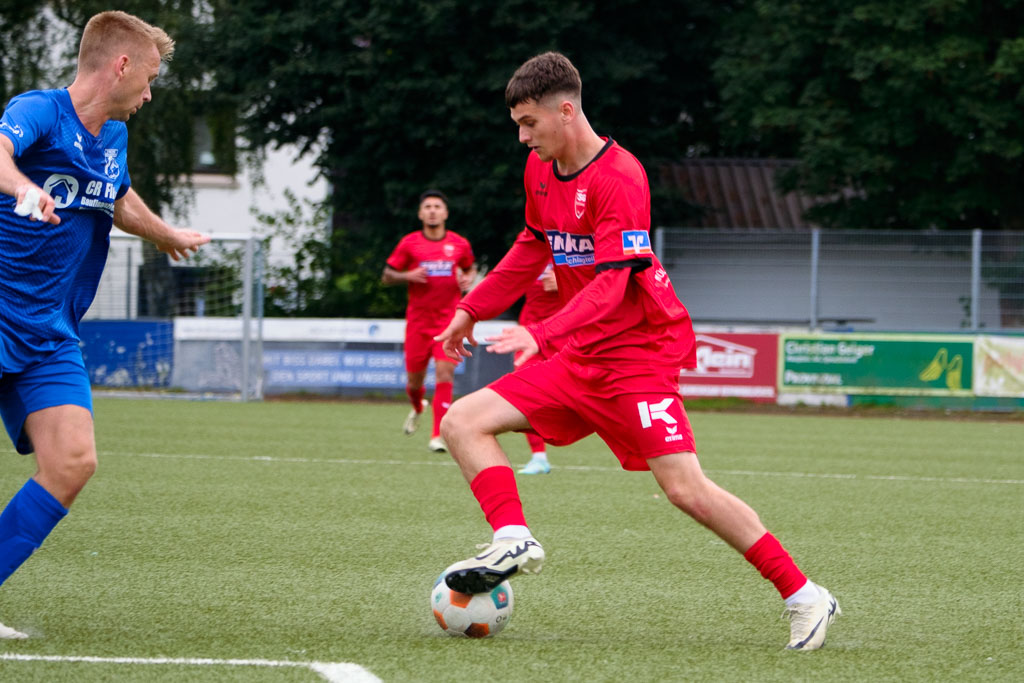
x=815, y=256
x=975, y=279
x=128, y=287
x=247, y=270
x=659, y=244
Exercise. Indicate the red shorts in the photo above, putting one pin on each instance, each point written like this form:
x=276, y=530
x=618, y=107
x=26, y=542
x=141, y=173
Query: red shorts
x=420, y=347
x=565, y=401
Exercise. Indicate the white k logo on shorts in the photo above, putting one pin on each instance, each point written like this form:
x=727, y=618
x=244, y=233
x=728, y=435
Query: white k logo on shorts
x=655, y=411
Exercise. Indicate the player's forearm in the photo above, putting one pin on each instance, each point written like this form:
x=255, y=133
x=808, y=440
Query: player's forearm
x=508, y=281
x=10, y=177
x=133, y=216
x=599, y=299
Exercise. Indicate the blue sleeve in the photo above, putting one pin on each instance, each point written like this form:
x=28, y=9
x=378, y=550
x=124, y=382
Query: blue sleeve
x=27, y=118
x=125, y=184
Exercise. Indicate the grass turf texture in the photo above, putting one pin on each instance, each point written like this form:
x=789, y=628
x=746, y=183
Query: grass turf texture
x=314, y=531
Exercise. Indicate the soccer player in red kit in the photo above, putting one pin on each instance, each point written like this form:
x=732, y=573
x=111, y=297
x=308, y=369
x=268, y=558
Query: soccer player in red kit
x=542, y=301
x=438, y=265
x=623, y=334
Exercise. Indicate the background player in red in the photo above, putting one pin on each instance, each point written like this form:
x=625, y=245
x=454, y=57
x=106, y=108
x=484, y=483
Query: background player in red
x=626, y=336
x=438, y=265
x=542, y=301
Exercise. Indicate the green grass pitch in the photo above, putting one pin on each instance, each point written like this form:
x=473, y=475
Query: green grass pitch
x=313, y=532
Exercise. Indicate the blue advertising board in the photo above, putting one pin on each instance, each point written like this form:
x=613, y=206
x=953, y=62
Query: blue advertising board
x=301, y=369
x=128, y=353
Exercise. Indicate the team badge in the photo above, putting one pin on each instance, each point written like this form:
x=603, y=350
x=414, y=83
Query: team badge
x=581, y=201
x=112, y=168
x=449, y=249
x=636, y=243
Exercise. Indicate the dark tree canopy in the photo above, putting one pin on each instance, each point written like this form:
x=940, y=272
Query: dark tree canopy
x=901, y=114
x=399, y=95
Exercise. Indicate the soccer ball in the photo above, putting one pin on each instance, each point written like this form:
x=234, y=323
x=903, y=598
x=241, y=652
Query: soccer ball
x=475, y=616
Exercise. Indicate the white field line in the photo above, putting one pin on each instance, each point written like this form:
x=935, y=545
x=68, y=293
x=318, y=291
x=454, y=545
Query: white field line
x=334, y=672
x=574, y=468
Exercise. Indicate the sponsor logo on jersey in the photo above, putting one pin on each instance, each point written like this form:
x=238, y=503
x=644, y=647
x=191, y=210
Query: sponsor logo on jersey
x=438, y=268
x=16, y=129
x=720, y=358
x=581, y=201
x=78, y=142
x=636, y=243
x=112, y=168
x=63, y=189
x=569, y=249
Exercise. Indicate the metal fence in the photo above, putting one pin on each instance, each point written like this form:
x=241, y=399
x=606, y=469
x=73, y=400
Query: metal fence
x=185, y=327
x=849, y=279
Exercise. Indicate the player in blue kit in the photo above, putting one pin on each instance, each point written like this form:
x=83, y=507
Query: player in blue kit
x=63, y=182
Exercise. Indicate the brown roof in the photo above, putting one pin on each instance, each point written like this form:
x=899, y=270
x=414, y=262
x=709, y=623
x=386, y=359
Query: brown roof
x=737, y=193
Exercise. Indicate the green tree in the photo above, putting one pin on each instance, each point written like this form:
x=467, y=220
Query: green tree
x=902, y=114
x=28, y=60
x=393, y=96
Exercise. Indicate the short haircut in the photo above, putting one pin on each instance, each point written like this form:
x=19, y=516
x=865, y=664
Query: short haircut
x=546, y=74
x=433, y=193
x=113, y=32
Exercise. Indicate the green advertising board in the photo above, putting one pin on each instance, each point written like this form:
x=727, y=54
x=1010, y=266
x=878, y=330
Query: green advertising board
x=883, y=364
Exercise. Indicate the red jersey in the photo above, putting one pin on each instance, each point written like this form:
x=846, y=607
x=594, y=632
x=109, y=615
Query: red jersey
x=540, y=303
x=621, y=312
x=432, y=303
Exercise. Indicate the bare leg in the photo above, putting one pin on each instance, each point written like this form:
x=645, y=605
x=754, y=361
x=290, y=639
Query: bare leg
x=65, y=448
x=683, y=481
x=471, y=427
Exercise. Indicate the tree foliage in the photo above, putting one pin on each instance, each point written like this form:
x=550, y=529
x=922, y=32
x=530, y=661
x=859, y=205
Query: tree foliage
x=901, y=114
x=394, y=96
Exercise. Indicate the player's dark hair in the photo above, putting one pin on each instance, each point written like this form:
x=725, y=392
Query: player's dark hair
x=434, y=193
x=543, y=75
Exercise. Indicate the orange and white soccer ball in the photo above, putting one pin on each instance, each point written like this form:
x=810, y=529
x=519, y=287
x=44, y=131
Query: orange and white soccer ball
x=476, y=616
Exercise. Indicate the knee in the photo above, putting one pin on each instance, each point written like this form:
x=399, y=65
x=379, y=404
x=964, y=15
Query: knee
x=73, y=468
x=691, y=498
x=454, y=421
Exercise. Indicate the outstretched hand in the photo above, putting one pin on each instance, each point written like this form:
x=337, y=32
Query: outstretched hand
x=512, y=340
x=453, y=338
x=181, y=243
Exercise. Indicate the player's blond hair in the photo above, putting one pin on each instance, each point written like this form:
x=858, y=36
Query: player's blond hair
x=110, y=32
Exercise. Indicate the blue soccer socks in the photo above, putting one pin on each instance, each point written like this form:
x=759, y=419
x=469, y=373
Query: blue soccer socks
x=25, y=523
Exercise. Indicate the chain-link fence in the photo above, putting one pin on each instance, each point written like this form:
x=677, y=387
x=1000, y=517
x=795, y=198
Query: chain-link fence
x=849, y=279
x=194, y=326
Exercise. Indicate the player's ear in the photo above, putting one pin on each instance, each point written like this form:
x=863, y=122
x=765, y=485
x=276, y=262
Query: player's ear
x=121, y=65
x=567, y=111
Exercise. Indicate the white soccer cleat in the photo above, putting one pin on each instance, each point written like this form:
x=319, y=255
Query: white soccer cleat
x=412, y=420
x=437, y=445
x=808, y=622
x=500, y=560
x=536, y=466
x=8, y=633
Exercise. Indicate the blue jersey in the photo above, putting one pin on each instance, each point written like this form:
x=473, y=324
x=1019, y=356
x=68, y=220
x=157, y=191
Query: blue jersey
x=49, y=273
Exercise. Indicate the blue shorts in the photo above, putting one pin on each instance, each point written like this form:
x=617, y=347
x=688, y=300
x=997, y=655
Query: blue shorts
x=59, y=379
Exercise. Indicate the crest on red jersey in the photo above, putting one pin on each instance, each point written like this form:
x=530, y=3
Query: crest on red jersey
x=449, y=249
x=581, y=201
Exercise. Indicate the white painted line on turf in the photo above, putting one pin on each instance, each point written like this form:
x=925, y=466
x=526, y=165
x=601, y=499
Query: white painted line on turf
x=334, y=672
x=574, y=468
